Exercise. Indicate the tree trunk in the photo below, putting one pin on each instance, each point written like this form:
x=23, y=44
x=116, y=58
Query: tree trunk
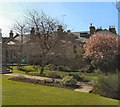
x=42, y=70
x=18, y=62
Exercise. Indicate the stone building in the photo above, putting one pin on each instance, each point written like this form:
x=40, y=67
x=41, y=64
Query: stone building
x=64, y=53
x=18, y=49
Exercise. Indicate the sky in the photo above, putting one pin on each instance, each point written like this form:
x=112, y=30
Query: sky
x=76, y=15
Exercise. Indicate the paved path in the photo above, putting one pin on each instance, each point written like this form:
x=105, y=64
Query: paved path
x=84, y=87
x=27, y=76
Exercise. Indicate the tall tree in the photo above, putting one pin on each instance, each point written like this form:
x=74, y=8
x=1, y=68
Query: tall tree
x=46, y=35
x=20, y=28
x=102, y=49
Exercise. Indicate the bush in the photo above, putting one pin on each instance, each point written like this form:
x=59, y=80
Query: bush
x=50, y=67
x=27, y=68
x=64, y=68
x=53, y=75
x=105, y=64
x=108, y=86
x=22, y=69
x=69, y=81
x=48, y=81
x=95, y=89
x=35, y=67
x=9, y=67
x=30, y=68
x=76, y=76
x=87, y=69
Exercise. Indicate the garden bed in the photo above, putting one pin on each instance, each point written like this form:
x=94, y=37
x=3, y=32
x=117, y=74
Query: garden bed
x=49, y=82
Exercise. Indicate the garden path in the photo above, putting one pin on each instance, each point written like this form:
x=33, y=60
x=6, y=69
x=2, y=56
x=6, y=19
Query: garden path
x=84, y=86
x=27, y=76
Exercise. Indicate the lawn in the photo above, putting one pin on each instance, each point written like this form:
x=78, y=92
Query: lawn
x=19, y=93
x=87, y=76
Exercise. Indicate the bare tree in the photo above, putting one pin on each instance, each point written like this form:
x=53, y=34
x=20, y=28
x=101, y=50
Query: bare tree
x=46, y=35
x=21, y=29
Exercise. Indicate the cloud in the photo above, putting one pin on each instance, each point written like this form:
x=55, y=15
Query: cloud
x=5, y=25
x=4, y=21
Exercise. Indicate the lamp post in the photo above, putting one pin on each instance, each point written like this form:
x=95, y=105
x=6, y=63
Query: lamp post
x=117, y=5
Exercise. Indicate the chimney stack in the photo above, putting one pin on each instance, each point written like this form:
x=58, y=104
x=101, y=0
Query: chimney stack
x=112, y=29
x=32, y=32
x=92, y=29
x=99, y=29
x=11, y=34
x=60, y=28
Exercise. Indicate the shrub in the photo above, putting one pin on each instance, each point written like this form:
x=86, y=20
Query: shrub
x=108, y=86
x=30, y=68
x=21, y=69
x=69, y=81
x=95, y=89
x=64, y=68
x=76, y=76
x=87, y=69
x=35, y=67
x=48, y=81
x=9, y=68
x=27, y=68
x=105, y=64
x=50, y=67
x=21, y=76
x=53, y=75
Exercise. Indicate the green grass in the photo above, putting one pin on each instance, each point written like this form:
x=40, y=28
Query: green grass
x=36, y=71
x=87, y=76
x=91, y=76
x=19, y=93
x=15, y=70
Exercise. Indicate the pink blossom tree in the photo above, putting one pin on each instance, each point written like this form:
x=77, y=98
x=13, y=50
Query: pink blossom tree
x=103, y=50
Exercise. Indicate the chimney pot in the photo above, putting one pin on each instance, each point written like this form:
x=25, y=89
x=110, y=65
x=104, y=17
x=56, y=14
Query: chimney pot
x=11, y=34
x=32, y=30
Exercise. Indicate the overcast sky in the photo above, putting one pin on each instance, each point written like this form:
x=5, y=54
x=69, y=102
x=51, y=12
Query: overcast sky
x=76, y=15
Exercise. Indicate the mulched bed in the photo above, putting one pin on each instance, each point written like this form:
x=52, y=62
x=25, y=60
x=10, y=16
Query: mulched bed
x=43, y=82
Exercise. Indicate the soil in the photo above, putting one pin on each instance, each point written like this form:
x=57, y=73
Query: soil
x=43, y=82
